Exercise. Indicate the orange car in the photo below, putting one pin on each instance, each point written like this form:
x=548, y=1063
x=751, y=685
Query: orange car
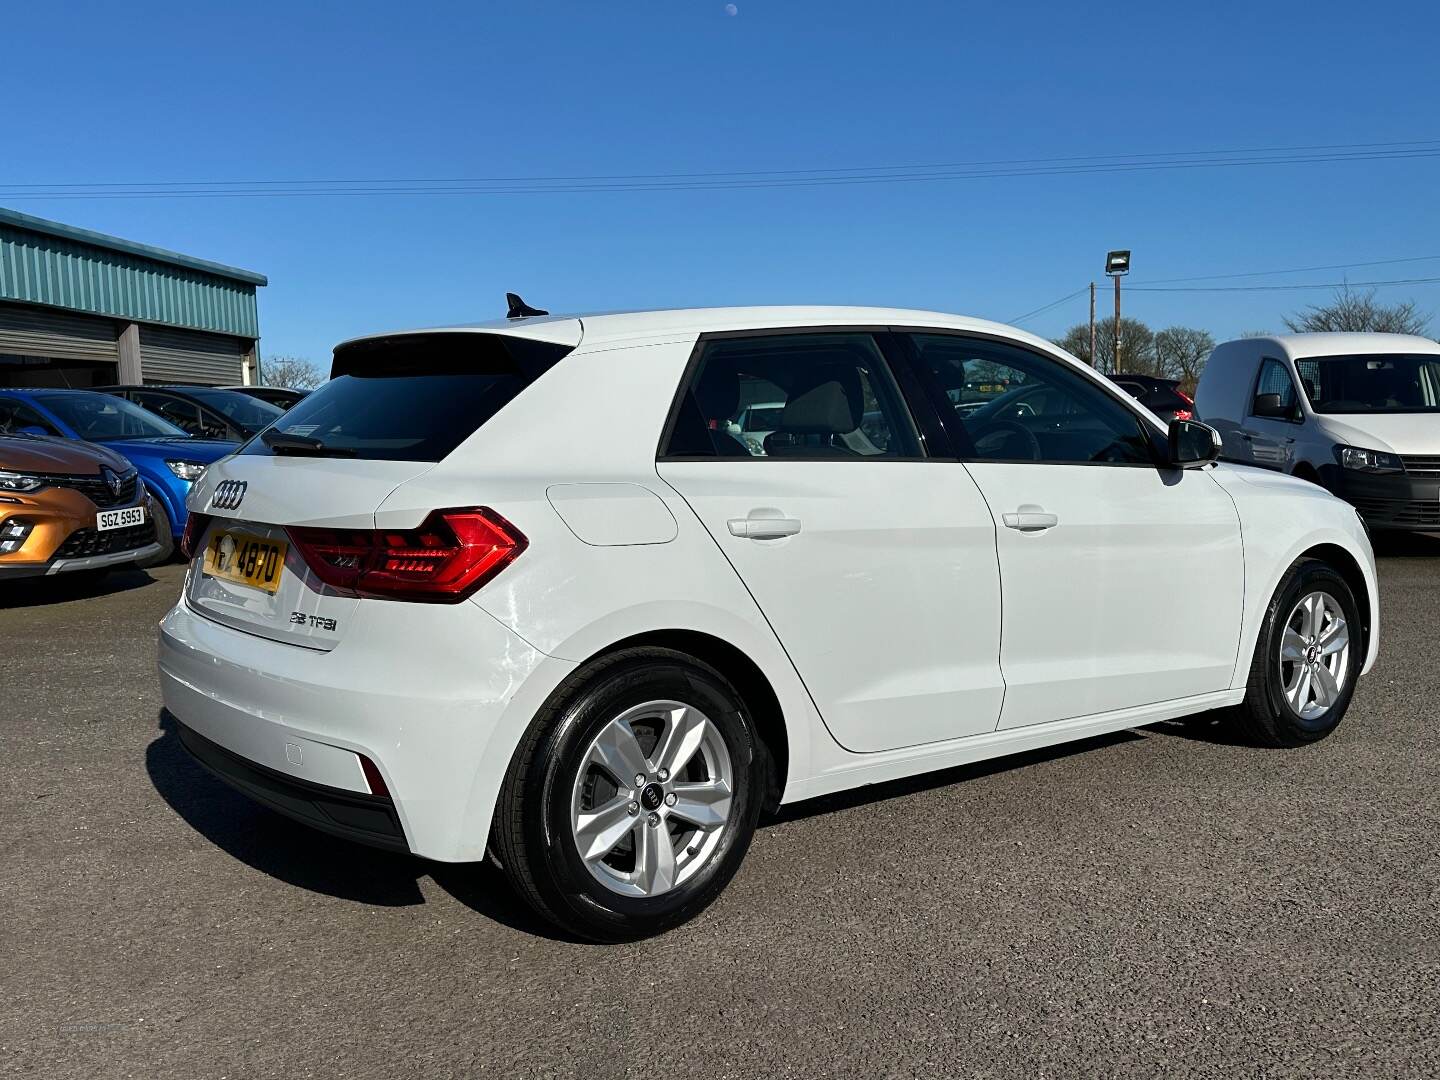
x=67, y=506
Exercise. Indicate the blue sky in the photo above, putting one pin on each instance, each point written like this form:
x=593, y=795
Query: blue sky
x=146, y=92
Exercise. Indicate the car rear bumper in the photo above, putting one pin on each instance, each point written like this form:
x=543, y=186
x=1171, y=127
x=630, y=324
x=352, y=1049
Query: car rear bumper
x=1393, y=500
x=369, y=819
x=435, y=696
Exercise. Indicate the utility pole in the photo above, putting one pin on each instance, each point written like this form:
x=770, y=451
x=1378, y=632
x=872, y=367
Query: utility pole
x=1117, y=265
x=1092, y=325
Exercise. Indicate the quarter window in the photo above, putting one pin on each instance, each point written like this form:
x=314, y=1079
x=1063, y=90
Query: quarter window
x=1016, y=405
x=797, y=396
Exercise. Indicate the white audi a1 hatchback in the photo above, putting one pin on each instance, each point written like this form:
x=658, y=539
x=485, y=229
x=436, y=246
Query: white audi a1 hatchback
x=519, y=588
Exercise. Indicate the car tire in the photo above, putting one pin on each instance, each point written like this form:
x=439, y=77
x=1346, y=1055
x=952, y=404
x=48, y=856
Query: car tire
x=1289, y=700
x=163, y=534
x=543, y=818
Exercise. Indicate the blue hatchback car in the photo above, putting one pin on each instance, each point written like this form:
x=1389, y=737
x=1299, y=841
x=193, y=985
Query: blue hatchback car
x=167, y=458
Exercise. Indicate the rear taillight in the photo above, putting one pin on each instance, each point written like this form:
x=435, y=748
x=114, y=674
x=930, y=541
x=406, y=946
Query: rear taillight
x=1184, y=414
x=194, y=530
x=450, y=555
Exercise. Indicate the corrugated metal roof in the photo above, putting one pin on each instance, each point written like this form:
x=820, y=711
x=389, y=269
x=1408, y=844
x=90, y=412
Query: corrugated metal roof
x=44, y=262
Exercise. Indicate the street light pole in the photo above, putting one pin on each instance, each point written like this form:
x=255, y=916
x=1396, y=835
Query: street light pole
x=1117, y=324
x=1117, y=265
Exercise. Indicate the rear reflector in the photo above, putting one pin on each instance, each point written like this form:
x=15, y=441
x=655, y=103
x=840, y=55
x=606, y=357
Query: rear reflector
x=450, y=555
x=372, y=776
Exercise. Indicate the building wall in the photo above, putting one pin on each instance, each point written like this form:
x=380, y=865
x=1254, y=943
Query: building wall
x=81, y=308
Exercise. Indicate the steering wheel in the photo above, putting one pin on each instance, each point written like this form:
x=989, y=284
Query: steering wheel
x=1000, y=432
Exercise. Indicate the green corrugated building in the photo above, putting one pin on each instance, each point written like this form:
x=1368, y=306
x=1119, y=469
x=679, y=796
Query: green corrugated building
x=79, y=308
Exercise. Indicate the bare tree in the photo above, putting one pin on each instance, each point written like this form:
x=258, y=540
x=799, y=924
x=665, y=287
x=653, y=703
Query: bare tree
x=1359, y=311
x=1181, y=352
x=1137, y=346
x=292, y=372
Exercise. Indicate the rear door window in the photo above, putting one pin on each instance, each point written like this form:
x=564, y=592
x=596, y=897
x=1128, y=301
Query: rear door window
x=814, y=397
x=410, y=397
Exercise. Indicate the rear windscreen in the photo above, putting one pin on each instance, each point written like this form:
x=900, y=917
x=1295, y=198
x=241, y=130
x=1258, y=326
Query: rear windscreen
x=408, y=398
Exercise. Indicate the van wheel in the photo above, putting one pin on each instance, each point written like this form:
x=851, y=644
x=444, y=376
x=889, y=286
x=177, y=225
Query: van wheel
x=162, y=534
x=1306, y=661
x=633, y=797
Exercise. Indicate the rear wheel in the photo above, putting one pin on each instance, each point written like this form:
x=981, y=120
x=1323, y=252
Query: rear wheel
x=1306, y=661
x=633, y=797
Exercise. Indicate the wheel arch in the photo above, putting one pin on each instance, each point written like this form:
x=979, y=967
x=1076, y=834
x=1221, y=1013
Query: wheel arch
x=1348, y=567
x=747, y=677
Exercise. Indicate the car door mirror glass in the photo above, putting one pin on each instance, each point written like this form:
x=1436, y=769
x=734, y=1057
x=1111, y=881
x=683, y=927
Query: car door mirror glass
x=1193, y=444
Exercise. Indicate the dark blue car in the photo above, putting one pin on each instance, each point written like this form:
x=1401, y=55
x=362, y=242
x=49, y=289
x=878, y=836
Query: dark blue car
x=168, y=459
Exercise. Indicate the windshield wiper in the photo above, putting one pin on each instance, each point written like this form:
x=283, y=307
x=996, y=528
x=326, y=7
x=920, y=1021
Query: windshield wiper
x=286, y=442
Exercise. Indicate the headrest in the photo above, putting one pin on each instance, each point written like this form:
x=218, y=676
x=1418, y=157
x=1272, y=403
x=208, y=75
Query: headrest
x=831, y=403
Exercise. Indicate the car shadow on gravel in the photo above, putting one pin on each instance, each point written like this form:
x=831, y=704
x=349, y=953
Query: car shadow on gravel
x=308, y=859
x=64, y=588
x=1207, y=727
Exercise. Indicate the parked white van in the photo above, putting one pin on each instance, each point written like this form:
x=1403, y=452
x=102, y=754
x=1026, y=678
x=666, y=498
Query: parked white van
x=1356, y=413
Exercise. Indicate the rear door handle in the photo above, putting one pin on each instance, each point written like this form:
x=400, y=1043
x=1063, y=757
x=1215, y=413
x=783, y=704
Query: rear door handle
x=1030, y=519
x=763, y=528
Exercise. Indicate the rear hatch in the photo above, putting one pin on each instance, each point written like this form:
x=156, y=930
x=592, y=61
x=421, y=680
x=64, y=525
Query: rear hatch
x=283, y=534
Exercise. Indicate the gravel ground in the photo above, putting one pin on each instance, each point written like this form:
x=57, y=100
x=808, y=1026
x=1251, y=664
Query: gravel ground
x=1159, y=903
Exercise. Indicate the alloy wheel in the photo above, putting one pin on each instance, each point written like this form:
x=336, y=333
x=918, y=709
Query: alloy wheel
x=1314, y=655
x=651, y=799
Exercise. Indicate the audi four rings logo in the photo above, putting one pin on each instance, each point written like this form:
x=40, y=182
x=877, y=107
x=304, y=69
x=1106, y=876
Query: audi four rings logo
x=228, y=495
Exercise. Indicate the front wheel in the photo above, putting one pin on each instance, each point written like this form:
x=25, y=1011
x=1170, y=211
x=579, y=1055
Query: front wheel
x=633, y=797
x=1306, y=661
x=163, y=535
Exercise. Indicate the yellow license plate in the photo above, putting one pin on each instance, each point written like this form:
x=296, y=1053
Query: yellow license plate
x=245, y=559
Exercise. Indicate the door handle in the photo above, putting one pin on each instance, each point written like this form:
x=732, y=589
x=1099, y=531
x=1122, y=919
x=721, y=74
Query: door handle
x=1030, y=519
x=763, y=528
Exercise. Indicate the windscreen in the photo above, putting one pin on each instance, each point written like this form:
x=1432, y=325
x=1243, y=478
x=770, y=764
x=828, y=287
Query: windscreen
x=98, y=417
x=408, y=398
x=1371, y=383
x=241, y=409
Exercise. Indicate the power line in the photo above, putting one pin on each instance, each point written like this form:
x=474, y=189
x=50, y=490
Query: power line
x=795, y=173
x=1246, y=288
x=1054, y=303
x=599, y=184
x=1284, y=288
x=1293, y=270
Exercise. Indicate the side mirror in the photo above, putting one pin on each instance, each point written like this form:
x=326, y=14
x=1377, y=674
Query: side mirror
x=1193, y=444
x=1271, y=406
